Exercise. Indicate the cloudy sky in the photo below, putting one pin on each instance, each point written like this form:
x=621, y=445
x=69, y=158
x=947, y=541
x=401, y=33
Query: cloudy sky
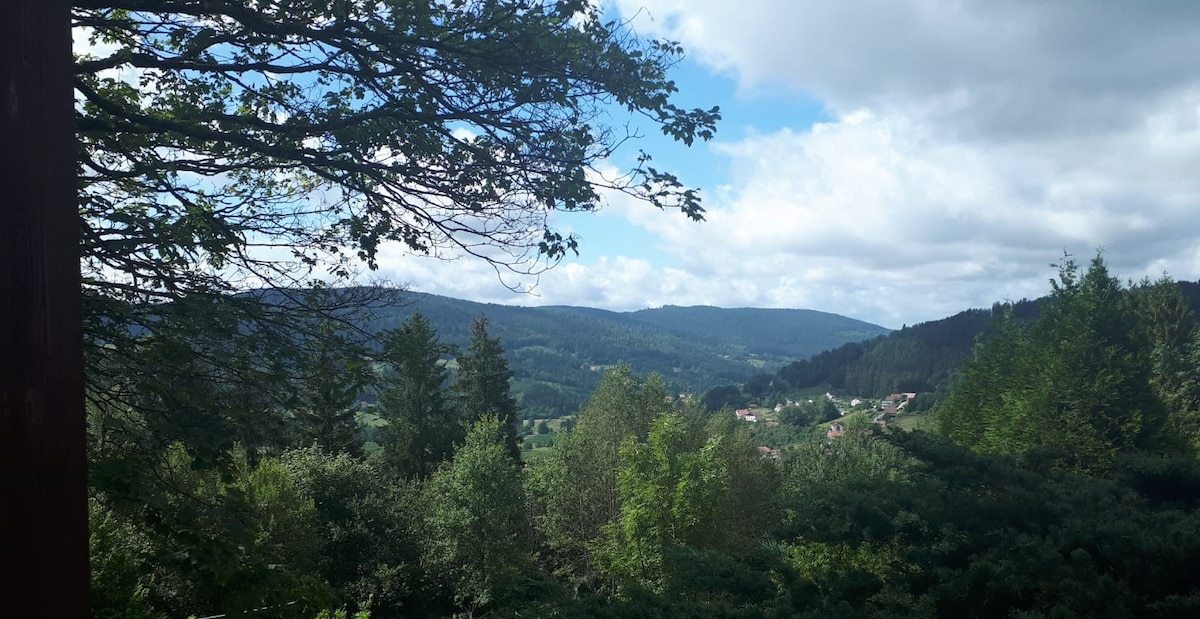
x=898, y=160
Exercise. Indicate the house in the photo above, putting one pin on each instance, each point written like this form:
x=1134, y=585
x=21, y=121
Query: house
x=745, y=414
x=766, y=452
x=836, y=429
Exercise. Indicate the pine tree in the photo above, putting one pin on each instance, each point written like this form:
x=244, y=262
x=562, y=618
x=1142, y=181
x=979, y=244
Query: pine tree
x=422, y=429
x=483, y=384
x=1076, y=388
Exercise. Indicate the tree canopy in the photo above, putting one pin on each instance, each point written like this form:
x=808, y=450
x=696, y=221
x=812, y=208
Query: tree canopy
x=1074, y=387
x=249, y=142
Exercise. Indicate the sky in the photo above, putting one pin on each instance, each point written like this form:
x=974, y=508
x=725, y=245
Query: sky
x=895, y=161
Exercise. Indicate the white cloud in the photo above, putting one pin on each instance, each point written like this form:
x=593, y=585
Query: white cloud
x=970, y=145
x=973, y=143
x=1003, y=67
x=872, y=217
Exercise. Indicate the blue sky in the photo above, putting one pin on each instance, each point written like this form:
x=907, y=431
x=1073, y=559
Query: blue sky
x=896, y=160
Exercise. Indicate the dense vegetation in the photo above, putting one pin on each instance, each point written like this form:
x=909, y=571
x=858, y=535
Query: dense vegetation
x=558, y=354
x=922, y=358
x=1063, y=482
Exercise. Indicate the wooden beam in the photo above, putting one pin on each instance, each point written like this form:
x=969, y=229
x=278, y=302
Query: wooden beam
x=43, y=464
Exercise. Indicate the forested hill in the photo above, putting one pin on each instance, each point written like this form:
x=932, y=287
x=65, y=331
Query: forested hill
x=776, y=332
x=919, y=358
x=557, y=353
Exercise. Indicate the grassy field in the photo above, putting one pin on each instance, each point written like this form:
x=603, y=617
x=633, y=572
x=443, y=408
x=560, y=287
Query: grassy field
x=542, y=444
x=914, y=421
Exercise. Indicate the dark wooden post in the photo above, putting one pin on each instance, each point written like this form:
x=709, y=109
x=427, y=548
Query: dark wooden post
x=43, y=465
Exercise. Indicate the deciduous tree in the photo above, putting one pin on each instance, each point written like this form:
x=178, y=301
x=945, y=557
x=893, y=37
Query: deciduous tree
x=474, y=520
x=227, y=144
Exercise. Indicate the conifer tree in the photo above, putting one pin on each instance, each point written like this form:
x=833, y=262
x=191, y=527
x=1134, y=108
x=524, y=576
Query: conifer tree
x=1077, y=391
x=334, y=375
x=483, y=383
x=422, y=428
x=1170, y=328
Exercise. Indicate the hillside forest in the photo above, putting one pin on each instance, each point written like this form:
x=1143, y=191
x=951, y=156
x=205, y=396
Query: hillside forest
x=558, y=354
x=1060, y=479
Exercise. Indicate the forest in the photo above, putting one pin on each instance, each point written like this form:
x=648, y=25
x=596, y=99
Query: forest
x=1061, y=481
x=557, y=353
x=922, y=358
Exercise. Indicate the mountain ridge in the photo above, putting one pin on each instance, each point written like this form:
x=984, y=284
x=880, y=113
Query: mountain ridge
x=557, y=352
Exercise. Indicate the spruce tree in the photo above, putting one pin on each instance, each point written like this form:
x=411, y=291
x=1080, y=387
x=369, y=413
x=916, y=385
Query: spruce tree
x=334, y=375
x=422, y=428
x=1075, y=388
x=483, y=384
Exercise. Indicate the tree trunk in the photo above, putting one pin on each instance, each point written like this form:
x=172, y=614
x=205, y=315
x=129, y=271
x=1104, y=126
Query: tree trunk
x=43, y=469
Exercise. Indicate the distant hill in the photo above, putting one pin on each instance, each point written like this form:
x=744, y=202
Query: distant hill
x=918, y=358
x=794, y=333
x=558, y=353
x=921, y=358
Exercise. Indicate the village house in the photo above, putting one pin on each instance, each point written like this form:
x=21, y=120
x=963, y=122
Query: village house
x=766, y=452
x=836, y=429
x=745, y=414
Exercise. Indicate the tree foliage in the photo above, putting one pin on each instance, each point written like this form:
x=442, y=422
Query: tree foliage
x=212, y=131
x=576, y=486
x=237, y=157
x=1075, y=386
x=474, y=520
x=326, y=407
x=673, y=488
x=688, y=519
x=422, y=426
x=482, y=385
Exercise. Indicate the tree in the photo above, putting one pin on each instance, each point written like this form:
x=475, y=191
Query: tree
x=1170, y=327
x=271, y=143
x=421, y=428
x=1077, y=389
x=576, y=485
x=673, y=488
x=234, y=154
x=807, y=413
x=336, y=373
x=369, y=525
x=723, y=396
x=474, y=520
x=213, y=131
x=230, y=146
x=483, y=383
